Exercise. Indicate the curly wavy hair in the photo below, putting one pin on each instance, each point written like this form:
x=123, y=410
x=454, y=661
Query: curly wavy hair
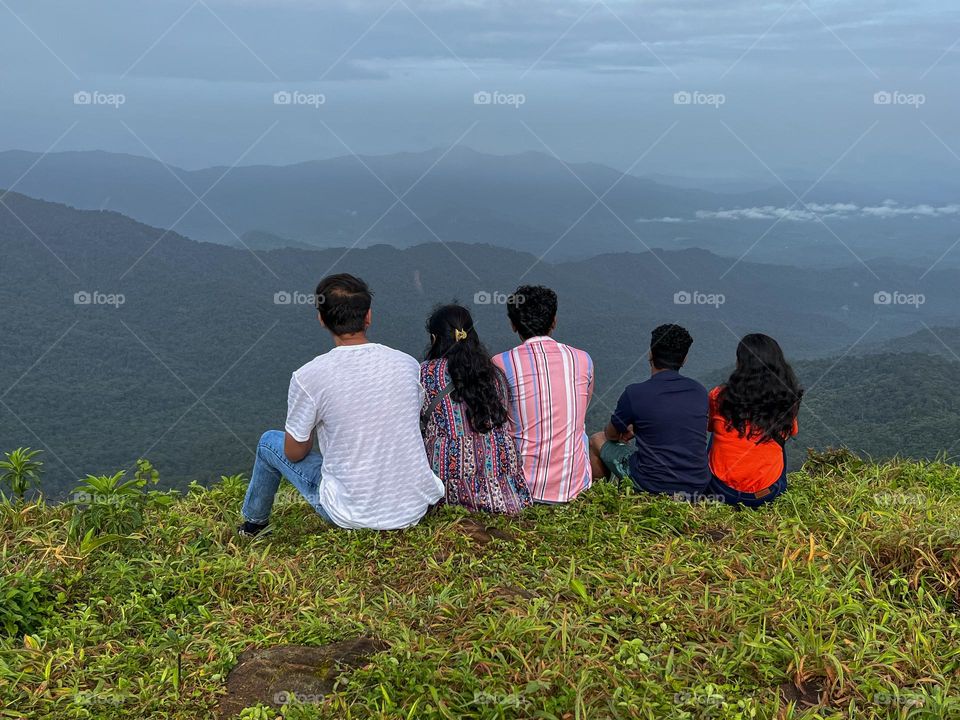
x=762, y=397
x=479, y=384
x=669, y=345
x=532, y=310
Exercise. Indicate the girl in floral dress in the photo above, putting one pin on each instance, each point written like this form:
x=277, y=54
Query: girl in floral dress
x=465, y=419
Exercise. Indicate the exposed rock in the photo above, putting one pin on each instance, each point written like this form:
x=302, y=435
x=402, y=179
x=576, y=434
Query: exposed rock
x=482, y=534
x=286, y=673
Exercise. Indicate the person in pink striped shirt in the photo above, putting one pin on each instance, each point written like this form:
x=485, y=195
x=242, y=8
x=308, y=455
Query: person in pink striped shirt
x=550, y=388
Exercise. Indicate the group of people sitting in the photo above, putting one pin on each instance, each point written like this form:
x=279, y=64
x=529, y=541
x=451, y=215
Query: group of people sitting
x=375, y=439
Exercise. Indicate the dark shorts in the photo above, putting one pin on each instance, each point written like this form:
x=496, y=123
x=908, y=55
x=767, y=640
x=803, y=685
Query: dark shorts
x=616, y=456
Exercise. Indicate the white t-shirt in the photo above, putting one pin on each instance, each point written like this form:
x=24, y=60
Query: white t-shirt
x=365, y=402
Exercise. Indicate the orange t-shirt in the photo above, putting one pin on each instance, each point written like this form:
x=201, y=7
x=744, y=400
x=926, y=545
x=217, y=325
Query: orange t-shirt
x=741, y=462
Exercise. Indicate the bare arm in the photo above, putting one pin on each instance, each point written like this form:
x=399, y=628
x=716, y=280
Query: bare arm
x=294, y=449
x=615, y=435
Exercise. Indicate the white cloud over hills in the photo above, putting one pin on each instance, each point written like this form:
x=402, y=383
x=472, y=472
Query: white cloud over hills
x=809, y=212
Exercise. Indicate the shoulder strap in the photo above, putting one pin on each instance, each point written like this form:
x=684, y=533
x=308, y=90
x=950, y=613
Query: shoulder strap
x=434, y=404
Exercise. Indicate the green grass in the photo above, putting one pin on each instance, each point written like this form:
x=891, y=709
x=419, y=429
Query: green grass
x=616, y=606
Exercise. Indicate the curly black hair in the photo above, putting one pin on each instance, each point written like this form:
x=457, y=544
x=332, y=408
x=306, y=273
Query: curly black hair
x=669, y=345
x=762, y=398
x=532, y=310
x=479, y=384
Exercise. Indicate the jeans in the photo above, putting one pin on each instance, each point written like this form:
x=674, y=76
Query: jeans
x=722, y=491
x=730, y=496
x=270, y=467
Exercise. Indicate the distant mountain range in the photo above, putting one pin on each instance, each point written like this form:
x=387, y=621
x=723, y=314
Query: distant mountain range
x=122, y=339
x=529, y=202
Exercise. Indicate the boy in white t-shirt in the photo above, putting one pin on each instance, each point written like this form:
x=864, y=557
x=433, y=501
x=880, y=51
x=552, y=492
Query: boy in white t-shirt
x=369, y=469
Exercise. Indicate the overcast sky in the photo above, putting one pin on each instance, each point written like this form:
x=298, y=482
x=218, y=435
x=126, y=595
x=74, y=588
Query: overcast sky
x=784, y=87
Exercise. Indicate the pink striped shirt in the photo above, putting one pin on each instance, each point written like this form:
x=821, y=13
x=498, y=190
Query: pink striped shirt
x=551, y=385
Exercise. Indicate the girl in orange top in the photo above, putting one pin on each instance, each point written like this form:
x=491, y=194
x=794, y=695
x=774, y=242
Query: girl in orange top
x=751, y=418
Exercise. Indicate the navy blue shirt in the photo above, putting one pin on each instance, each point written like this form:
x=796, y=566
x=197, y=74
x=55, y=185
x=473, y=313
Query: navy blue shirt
x=669, y=416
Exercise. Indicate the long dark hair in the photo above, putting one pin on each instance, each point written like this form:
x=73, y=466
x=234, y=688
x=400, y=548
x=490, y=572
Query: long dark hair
x=762, y=397
x=478, y=383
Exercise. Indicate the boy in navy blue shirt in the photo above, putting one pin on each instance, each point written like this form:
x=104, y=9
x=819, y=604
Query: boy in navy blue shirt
x=667, y=415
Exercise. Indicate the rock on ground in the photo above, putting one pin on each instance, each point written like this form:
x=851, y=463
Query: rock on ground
x=292, y=673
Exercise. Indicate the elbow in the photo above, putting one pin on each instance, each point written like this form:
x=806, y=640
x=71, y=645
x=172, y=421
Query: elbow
x=297, y=454
x=294, y=450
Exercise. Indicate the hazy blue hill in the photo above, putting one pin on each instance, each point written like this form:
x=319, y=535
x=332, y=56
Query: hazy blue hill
x=332, y=202
x=529, y=202
x=934, y=340
x=195, y=363
x=260, y=240
x=137, y=186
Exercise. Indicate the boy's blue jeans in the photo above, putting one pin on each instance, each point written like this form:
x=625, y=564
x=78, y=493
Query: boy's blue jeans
x=270, y=467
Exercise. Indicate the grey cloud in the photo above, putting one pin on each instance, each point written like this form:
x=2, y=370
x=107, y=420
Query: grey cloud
x=599, y=85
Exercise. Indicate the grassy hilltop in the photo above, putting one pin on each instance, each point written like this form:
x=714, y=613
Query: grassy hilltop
x=839, y=602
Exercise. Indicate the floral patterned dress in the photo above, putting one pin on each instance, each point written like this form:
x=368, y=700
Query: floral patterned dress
x=480, y=471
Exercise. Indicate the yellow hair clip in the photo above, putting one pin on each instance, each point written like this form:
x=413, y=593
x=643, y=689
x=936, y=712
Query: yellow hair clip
x=459, y=334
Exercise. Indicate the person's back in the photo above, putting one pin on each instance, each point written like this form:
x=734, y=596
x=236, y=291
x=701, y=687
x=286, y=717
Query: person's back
x=667, y=416
x=752, y=416
x=551, y=385
x=746, y=462
x=466, y=420
x=668, y=413
x=366, y=399
x=361, y=401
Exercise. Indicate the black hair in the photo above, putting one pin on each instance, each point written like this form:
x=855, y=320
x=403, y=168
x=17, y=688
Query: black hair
x=669, y=345
x=479, y=384
x=762, y=397
x=532, y=310
x=343, y=302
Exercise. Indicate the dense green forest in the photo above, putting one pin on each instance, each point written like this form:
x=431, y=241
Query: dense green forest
x=194, y=363
x=882, y=405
